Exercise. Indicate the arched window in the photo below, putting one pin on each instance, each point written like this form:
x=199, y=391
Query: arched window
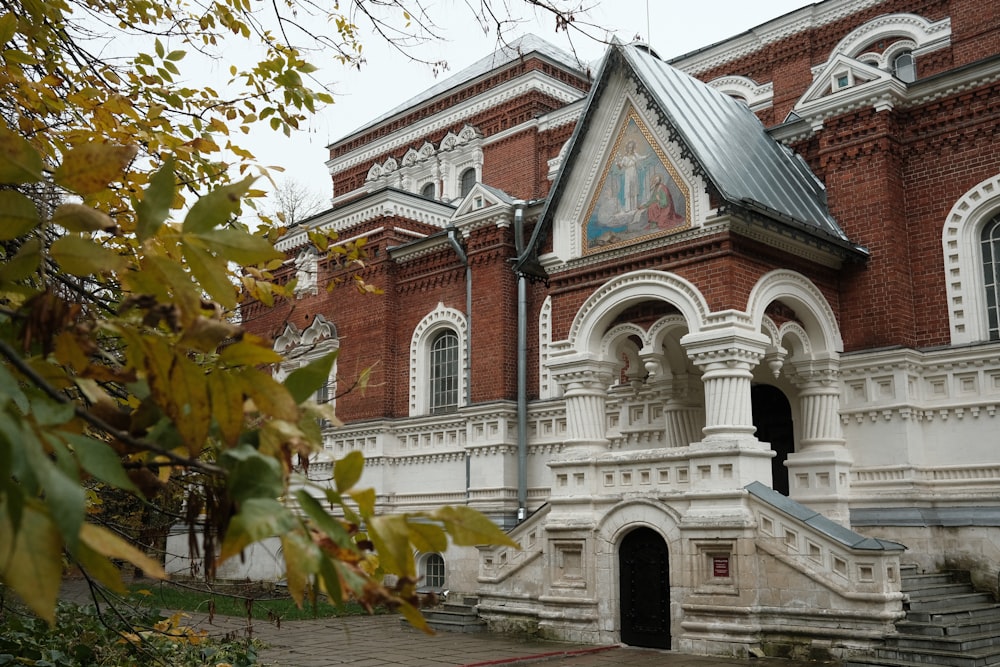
x=971, y=244
x=468, y=180
x=990, y=243
x=444, y=372
x=427, y=191
x=433, y=571
x=904, y=67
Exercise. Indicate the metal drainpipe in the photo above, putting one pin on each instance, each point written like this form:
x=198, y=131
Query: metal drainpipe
x=522, y=370
x=462, y=257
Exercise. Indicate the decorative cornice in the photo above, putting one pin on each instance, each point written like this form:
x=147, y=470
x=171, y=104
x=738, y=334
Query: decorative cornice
x=522, y=85
x=759, y=38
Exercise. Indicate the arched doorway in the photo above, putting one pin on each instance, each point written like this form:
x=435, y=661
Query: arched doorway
x=644, y=572
x=772, y=416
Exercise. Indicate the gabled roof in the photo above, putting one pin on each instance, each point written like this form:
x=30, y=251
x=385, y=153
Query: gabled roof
x=507, y=53
x=725, y=140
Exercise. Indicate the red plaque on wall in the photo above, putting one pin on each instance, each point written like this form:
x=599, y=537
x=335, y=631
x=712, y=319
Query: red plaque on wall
x=720, y=566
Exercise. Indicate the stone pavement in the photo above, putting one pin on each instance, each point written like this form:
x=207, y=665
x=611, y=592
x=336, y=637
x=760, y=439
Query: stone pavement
x=383, y=641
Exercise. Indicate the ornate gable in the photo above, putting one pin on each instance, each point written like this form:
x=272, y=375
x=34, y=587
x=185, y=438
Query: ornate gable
x=640, y=194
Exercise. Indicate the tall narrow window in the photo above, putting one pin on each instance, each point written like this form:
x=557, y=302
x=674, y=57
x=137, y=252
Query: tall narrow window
x=444, y=372
x=468, y=180
x=991, y=275
x=428, y=191
x=904, y=67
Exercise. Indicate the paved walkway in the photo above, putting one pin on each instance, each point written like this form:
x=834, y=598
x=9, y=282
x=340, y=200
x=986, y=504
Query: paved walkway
x=383, y=641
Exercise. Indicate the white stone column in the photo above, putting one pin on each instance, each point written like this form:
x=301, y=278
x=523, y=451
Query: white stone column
x=728, y=457
x=727, y=359
x=819, y=471
x=584, y=384
x=683, y=418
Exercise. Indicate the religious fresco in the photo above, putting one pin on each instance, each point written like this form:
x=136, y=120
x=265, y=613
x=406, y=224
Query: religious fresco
x=639, y=194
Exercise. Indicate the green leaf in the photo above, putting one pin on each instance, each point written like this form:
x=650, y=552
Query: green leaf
x=306, y=381
x=347, y=471
x=10, y=389
x=31, y=559
x=252, y=474
x=18, y=215
x=8, y=25
x=216, y=208
x=302, y=559
x=24, y=263
x=82, y=218
x=154, y=208
x=64, y=496
x=391, y=537
x=48, y=412
x=235, y=245
x=89, y=168
x=19, y=161
x=468, y=527
x=324, y=522
x=365, y=498
x=330, y=581
x=258, y=519
x=82, y=256
x=427, y=537
x=98, y=459
x=211, y=272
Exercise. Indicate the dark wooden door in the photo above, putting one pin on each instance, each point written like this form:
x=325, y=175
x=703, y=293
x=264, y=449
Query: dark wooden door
x=645, y=589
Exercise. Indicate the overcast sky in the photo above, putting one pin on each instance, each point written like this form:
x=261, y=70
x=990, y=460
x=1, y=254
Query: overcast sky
x=388, y=79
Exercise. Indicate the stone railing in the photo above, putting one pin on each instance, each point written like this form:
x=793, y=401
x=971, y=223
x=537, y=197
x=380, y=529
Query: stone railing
x=852, y=566
x=499, y=563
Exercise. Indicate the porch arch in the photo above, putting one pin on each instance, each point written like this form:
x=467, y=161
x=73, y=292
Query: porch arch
x=811, y=307
x=596, y=314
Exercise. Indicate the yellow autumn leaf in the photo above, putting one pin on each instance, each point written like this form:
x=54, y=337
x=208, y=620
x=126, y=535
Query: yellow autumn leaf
x=81, y=218
x=227, y=406
x=104, y=542
x=18, y=214
x=188, y=403
x=89, y=168
x=82, y=256
x=31, y=559
x=19, y=161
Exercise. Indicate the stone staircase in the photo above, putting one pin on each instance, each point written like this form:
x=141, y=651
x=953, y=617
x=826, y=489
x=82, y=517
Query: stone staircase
x=947, y=623
x=459, y=616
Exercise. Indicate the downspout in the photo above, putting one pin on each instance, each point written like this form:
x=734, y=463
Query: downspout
x=462, y=257
x=522, y=370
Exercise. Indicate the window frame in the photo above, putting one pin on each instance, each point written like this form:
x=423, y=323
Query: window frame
x=437, y=579
x=424, y=334
x=444, y=372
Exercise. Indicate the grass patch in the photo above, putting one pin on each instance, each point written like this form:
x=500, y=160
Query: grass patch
x=259, y=601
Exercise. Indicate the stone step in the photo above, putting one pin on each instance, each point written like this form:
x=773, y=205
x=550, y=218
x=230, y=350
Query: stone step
x=939, y=589
x=982, y=612
x=456, y=617
x=957, y=643
x=947, y=624
x=958, y=628
x=910, y=582
x=978, y=657
x=946, y=603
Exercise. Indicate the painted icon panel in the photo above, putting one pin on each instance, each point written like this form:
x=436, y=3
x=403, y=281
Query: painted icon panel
x=639, y=195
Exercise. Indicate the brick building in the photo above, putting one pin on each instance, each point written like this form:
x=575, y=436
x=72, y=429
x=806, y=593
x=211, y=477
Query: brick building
x=717, y=338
